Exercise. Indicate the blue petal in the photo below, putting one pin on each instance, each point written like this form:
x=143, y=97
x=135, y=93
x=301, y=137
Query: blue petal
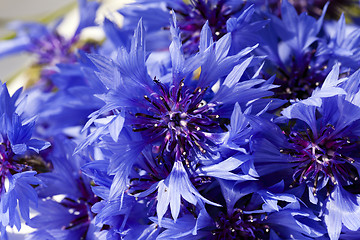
x=174, y=187
x=341, y=207
x=37, y=145
x=206, y=39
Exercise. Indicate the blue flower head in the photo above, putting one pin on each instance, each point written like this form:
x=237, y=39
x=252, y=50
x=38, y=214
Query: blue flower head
x=316, y=154
x=18, y=160
x=330, y=159
x=121, y=218
x=342, y=45
x=222, y=16
x=178, y=113
x=71, y=217
x=247, y=215
x=73, y=97
x=290, y=45
x=164, y=135
x=313, y=8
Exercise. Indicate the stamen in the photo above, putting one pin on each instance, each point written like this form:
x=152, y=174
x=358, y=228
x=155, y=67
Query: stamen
x=140, y=129
x=165, y=103
x=153, y=103
x=315, y=183
x=146, y=116
x=199, y=146
x=179, y=90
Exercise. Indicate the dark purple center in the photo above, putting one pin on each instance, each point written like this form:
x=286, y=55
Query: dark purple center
x=323, y=157
x=54, y=49
x=300, y=79
x=80, y=208
x=177, y=121
x=7, y=163
x=193, y=17
x=239, y=225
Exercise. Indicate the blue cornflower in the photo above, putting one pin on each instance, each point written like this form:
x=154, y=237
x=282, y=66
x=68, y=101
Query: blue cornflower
x=18, y=161
x=179, y=109
x=313, y=8
x=179, y=123
x=173, y=115
x=71, y=216
x=247, y=215
x=304, y=55
x=333, y=85
x=342, y=45
x=223, y=16
x=316, y=154
x=122, y=218
x=290, y=45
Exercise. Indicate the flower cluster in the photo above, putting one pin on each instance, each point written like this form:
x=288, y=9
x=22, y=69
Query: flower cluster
x=199, y=119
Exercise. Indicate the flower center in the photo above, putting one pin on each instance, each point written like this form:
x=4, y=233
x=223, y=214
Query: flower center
x=7, y=163
x=240, y=226
x=192, y=18
x=177, y=120
x=80, y=208
x=300, y=79
x=322, y=158
x=12, y=164
x=54, y=49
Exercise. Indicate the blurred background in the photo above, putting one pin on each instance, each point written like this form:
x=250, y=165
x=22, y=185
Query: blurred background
x=45, y=11
x=25, y=10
